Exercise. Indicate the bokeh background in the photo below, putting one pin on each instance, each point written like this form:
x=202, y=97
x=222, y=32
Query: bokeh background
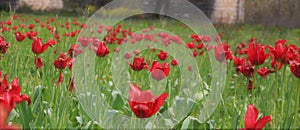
x=284, y=13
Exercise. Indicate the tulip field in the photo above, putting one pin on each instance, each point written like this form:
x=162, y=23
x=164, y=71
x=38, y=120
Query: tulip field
x=41, y=56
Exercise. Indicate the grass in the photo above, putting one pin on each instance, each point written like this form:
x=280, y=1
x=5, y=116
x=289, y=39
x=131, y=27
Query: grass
x=54, y=107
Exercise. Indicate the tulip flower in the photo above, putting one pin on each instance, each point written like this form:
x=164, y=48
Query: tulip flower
x=200, y=46
x=143, y=103
x=264, y=72
x=84, y=41
x=278, y=53
x=276, y=64
x=159, y=71
x=74, y=50
x=10, y=93
x=31, y=34
x=223, y=52
x=190, y=45
x=19, y=36
x=295, y=67
x=174, y=62
x=101, y=50
x=246, y=68
x=138, y=64
x=62, y=61
x=127, y=55
x=3, y=45
x=241, y=49
x=38, y=47
x=162, y=55
x=251, y=122
x=256, y=53
x=31, y=26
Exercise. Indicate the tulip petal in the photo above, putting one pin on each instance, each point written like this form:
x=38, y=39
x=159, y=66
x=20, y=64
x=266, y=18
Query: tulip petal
x=18, y=99
x=3, y=113
x=134, y=92
x=155, y=65
x=261, y=123
x=250, y=117
x=15, y=90
x=160, y=101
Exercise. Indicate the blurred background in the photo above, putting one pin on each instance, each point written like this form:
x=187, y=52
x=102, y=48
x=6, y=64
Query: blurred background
x=267, y=12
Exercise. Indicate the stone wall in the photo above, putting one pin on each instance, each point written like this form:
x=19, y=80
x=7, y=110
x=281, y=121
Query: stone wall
x=273, y=12
x=228, y=11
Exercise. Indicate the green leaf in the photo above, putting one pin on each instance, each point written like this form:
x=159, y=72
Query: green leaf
x=117, y=101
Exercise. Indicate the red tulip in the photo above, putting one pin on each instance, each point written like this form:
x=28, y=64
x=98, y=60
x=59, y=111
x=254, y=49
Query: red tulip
x=174, y=62
x=276, y=65
x=38, y=62
x=31, y=34
x=127, y=55
x=246, y=68
x=190, y=45
x=159, y=71
x=291, y=53
x=31, y=26
x=223, y=52
x=8, y=22
x=238, y=61
x=251, y=121
x=256, y=53
x=200, y=46
x=51, y=42
x=22, y=25
x=74, y=50
x=136, y=52
x=102, y=50
x=241, y=49
x=138, y=64
x=278, y=53
x=62, y=61
x=3, y=46
x=264, y=72
x=206, y=38
x=38, y=47
x=295, y=67
x=19, y=36
x=10, y=93
x=162, y=55
x=116, y=50
x=143, y=103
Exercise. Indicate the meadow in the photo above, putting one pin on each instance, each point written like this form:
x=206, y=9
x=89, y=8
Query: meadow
x=262, y=77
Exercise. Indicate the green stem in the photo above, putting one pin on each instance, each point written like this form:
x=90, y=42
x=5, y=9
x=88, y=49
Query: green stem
x=297, y=105
x=275, y=98
x=253, y=85
x=282, y=94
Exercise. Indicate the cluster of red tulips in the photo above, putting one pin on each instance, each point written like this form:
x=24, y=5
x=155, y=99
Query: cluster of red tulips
x=248, y=59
